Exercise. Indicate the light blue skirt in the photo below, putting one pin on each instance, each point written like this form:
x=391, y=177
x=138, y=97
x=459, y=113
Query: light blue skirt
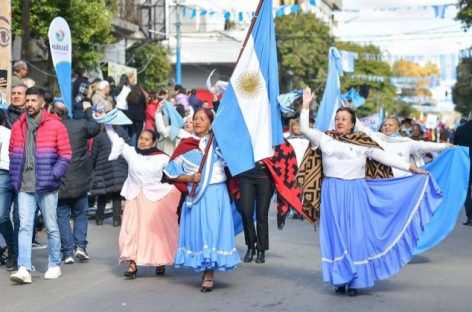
x=369, y=228
x=206, y=237
x=451, y=171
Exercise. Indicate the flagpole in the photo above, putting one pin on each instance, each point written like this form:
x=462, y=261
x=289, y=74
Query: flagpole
x=253, y=21
x=210, y=140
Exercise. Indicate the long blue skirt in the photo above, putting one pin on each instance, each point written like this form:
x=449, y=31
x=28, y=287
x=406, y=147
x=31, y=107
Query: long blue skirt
x=206, y=237
x=369, y=228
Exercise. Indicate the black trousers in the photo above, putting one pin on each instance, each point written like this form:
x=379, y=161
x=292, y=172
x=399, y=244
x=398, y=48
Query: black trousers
x=256, y=189
x=468, y=203
x=116, y=204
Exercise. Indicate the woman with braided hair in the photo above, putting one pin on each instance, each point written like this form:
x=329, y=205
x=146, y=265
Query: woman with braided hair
x=368, y=228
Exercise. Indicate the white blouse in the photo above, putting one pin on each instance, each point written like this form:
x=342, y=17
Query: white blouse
x=403, y=147
x=144, y=172
x=344, y=160
x=4, y=145
x=299, y=144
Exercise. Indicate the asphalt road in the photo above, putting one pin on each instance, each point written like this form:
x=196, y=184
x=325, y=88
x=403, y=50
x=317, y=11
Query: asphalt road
x=290, y=280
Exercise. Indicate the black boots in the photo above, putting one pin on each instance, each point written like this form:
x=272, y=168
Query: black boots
x=11, y=261
x=345, y=289
x=249, y=254
x=260, y=256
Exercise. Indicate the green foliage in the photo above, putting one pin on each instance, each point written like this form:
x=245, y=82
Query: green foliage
x=465, y=13
x=89, y=21
x=462, y=91
x=41, y=13
x=303, y=42
x=90, y=24
x=152, y=64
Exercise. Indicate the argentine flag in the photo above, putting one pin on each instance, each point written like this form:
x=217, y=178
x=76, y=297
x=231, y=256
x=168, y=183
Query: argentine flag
x=331, y=100
x=248, y=123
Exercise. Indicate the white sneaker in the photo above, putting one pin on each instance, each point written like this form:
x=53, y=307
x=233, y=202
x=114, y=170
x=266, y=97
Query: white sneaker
x=53, y=273
x=69, y=260
x=81, y=254
x=22, y=276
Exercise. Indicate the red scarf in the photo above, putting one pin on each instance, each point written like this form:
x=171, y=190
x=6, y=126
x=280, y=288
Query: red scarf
x=185, y=145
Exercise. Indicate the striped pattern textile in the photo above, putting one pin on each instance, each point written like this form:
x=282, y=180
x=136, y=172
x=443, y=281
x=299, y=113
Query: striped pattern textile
x=310, y=174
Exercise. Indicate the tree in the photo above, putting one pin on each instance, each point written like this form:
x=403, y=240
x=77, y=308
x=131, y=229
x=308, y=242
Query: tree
x=377, y=93
x=405, y=68
x=303, y=42
x=462, y=90
x=152, y=64
x=89, y=21
x=465, y=13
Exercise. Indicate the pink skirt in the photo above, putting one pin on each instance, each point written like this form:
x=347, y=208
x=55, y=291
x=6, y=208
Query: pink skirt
x=149, y=230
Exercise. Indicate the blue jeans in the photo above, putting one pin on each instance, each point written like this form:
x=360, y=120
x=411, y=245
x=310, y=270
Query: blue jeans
x=7, y=198
x=77, y=210
x=47, y=203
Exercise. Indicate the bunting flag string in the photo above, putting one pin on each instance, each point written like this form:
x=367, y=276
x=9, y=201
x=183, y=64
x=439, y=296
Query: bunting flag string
x=399, y=81
x=439, y=10
x=246, y=16
x=310, y=6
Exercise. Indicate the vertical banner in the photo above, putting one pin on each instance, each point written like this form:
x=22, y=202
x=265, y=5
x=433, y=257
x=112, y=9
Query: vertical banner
x=5, y=50
x=61, y=51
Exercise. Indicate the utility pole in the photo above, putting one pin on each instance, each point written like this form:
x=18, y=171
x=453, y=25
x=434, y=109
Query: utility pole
x=178, y=65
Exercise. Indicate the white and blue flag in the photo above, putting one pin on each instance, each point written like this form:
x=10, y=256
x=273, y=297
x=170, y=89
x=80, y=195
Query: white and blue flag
x=248, y=123
x=332, y=94
x=60, y=43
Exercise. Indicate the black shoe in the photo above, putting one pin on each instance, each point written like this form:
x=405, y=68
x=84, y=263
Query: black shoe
x=340, y=289
x=116, y=223
x=132, y=271
x=467, y=222
x=249, y=254
x=207, y=286
x=207, y=282
x=351, y=292
x=260, y=258
x=12, y=261
x=161, y=270
x=99, y=221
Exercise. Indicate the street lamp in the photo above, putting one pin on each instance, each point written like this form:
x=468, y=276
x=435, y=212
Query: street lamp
x=178, y=65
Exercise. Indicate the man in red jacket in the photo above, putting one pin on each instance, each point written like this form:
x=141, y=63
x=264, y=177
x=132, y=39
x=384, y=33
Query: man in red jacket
x=40, y=154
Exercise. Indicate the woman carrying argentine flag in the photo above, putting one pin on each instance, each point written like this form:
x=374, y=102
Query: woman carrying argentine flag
x=206, y=238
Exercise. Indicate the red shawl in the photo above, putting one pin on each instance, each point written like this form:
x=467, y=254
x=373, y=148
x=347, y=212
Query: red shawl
x=283, y=168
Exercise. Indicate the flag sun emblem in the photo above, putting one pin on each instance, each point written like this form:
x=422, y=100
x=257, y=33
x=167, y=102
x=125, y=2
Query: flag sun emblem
x=249, y=84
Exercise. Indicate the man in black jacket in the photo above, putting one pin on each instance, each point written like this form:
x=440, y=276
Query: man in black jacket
x=79, y=92
x=73, y=200
x=17, y=103
x=463, y=137
x=8, y=195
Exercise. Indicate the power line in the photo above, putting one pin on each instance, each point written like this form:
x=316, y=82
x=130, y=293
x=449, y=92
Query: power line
x=405, y=39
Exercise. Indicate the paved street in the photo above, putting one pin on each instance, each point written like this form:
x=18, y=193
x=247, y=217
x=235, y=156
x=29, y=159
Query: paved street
x=290, y=280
